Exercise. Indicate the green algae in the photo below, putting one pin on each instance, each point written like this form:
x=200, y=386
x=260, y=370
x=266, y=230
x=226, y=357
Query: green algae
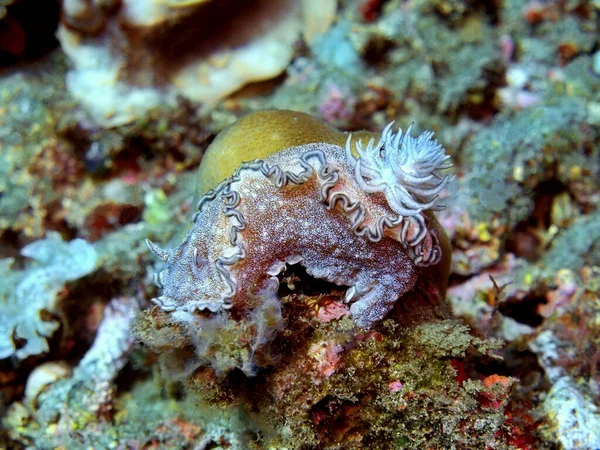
x=533, y=141
x=356, y=401
x=576, y=246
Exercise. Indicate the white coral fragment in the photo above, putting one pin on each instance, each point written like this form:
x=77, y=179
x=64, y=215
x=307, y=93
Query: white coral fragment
x=406, y=169
x=138, y=55
x=110, y=350
x=24, y=295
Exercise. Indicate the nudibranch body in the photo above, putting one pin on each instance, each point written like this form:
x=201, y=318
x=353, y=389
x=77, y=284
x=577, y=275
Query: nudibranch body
x=354, y=215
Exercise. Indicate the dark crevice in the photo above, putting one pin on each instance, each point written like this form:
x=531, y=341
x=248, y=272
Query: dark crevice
x=524, y=310
x=28, y=31
x=526, y=240
x=294, y=280
x=10, y=244
x=333, y=419
x=514, y=363
x=377, y=51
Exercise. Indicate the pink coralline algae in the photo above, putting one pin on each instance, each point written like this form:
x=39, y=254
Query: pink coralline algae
x=337, y=104
x=395, y=386
x=354, y=216
x=327, y=356
x=332, y=311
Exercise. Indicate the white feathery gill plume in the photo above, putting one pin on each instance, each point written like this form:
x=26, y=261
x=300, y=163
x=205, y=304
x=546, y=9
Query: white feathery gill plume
x=404, y=168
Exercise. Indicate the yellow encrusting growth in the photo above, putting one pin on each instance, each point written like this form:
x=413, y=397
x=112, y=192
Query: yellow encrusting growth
x=261, y=134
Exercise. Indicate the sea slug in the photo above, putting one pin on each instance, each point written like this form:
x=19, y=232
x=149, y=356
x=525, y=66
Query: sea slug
x=354, y=215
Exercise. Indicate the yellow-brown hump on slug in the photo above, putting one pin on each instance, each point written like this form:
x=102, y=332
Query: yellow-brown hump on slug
x=261, y=134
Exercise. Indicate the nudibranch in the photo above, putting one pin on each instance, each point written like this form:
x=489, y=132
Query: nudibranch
x=356, y=214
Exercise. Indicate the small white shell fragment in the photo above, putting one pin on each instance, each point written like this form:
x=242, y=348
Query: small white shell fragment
x=42, y=377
